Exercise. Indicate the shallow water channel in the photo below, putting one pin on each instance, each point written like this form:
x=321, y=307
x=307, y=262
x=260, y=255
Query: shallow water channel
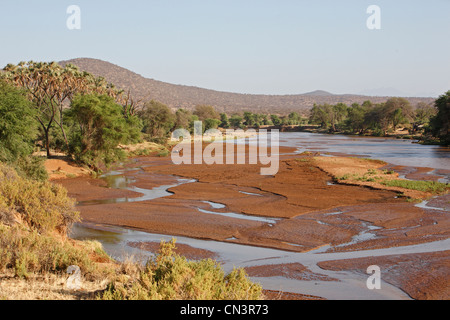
x=351, y=286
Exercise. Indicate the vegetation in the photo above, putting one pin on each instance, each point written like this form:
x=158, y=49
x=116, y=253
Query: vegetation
x=170, y=276
x=425, y=186
x=380, y=119
x=440, y=123
x=34, y=220
x=49, y=90
x=97, y=128
x=21, y=199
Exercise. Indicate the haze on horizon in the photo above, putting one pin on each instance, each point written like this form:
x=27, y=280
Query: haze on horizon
x=251, y=46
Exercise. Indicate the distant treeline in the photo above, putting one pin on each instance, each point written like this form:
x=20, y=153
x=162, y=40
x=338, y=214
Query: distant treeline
x=430, y=120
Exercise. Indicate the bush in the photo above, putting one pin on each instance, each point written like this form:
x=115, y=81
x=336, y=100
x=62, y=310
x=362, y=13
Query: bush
x=170, y=276
x=39, y=205
x=28, y=251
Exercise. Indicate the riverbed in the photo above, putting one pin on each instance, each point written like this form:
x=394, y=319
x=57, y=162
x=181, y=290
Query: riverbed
x=237, y=240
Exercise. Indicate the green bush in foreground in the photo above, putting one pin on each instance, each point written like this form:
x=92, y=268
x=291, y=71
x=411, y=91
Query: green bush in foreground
x=170, y=276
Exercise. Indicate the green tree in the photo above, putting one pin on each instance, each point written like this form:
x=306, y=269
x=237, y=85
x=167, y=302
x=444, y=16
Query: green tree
x=17, y=126
x=294, y=118
x=338, y=114
x=210, y=124
x=377, y=120
x=99, y=126
x=321, y=114
x=440, y=124
x=182, y=119
x=275, y=120
x=422, y=115
x=52, y=87
x=158, y=120
x=398, y=111
x=248, y=118
x=224, y=122
x=236, y=121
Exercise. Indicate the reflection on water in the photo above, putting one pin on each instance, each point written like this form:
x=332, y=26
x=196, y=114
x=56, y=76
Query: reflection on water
x=117, y=180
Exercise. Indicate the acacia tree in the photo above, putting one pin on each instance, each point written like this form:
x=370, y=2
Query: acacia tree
x=398, y=111
x=52, y=87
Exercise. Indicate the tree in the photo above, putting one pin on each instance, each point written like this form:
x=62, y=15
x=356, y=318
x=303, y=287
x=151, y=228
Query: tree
x=275, y=120
x=294, y=118
x=158, y=120
x=17, y=126
x=204, y=112
x=422, y=115
x=321, y=114
x=98, y=127
x=224, y=123
x=440, y=124
x=211, y=124
x=182, y=119
x=236, y=121
x=338, y=114
x=248, y=119
x=52, y=87
x=398, y=111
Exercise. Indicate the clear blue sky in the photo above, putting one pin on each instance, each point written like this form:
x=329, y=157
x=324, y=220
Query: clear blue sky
x=246, y=46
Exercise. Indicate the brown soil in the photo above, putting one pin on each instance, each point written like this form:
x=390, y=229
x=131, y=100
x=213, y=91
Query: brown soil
x=300, y=194
x=313, y=212
x=422, y=276
x=63, y=168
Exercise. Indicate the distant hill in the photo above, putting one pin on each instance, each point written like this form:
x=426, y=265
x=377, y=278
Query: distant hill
x=179, y=96
x=318, y=93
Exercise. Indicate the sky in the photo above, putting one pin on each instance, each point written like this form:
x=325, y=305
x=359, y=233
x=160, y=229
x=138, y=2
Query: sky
x=245, y=46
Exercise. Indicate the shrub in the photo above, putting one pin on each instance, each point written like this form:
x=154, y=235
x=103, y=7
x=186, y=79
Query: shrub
x=169, y=276
x=29, y=251
x=40, y=205
x=425, y=186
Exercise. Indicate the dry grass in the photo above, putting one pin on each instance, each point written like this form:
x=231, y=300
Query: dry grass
x=47, y=286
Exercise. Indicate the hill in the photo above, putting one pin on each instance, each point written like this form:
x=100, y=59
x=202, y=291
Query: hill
x=179, y=96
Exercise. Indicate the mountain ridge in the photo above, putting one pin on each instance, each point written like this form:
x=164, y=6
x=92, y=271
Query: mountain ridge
x=183, y=96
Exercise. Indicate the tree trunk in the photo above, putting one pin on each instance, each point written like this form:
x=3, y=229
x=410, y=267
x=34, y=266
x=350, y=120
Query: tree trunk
x=47, y=142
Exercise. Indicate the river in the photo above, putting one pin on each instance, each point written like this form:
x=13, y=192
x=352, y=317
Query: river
x=351, y=286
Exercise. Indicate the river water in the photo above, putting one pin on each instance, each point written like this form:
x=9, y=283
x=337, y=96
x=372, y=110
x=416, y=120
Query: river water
x=394, y=151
